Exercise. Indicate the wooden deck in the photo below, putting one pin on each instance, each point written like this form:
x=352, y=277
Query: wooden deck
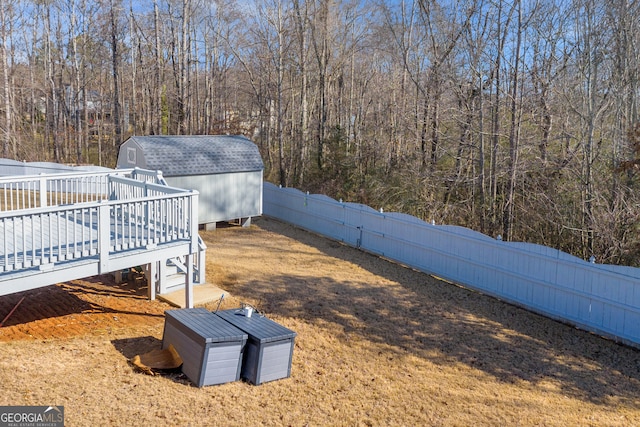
x=62, y=227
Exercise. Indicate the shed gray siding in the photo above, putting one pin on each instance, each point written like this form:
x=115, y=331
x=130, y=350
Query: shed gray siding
x=225, y=196
x=226, y=170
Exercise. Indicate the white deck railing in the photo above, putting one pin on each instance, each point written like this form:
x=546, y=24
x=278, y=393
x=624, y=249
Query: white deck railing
x=25, y=192
x=100, y=218
x=37, y=237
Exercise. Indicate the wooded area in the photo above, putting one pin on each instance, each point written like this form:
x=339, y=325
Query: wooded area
x=514, y=118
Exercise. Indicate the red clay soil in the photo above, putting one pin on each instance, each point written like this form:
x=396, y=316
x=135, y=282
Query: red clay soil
x=90, y=306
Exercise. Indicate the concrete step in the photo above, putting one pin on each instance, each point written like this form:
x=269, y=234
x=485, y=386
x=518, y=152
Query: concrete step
x=202, y=294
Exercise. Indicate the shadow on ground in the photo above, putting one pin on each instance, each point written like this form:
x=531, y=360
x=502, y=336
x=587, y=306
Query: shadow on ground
x=138, y=346
x=73, y=297
x=446, y=323
x=130, y=347
x=38, y=304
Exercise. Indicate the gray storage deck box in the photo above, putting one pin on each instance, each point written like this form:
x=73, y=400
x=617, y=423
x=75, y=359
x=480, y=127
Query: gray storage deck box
x=269, y=349
x=210, y=348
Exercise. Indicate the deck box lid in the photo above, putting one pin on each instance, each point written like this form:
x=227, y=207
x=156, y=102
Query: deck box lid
x=203, y=326
x=257, y=326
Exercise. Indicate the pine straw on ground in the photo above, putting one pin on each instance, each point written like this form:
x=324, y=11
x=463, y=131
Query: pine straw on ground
x=378, y=344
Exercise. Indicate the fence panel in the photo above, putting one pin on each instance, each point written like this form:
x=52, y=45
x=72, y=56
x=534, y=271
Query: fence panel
x=328, y=215
x=604, y=299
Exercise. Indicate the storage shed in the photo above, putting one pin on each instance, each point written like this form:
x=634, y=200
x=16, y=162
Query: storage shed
x=226, y=170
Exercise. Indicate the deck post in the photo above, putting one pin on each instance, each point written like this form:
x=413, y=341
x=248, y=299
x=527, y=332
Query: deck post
x=188, y=291
x=162, y=277
x=152, y=279
x=193, y=218
x=202, y=253
x=43, y=190
x=104, y=237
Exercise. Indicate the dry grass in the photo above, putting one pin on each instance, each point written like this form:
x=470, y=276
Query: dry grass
x=378, y=344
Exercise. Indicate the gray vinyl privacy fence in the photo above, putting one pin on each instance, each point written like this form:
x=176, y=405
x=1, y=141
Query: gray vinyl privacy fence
x=604, y=299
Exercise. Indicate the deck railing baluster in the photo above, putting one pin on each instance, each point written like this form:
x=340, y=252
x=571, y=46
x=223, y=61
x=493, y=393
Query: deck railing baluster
x=15, y=240
x=163, y=221
x=24, y=241
x=39, y=237
x=37, y=224
x=86, y=232
x=4, y=239
x=75, y=234
x=50, y=238
x=130, y=242
x=50, y=191
x=116, y=244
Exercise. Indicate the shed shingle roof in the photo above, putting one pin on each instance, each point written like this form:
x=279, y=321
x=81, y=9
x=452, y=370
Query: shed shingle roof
x=199, y=155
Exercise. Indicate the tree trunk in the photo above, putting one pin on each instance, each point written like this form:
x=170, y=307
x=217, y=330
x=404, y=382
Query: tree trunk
x=157, y=88
x=514, y=134
x=115, y=75
x=7, y=129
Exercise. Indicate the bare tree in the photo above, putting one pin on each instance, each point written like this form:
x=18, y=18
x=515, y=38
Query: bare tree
x=6, y=10
x=595, y=100
x=509, y=117
x=78, y=95
x=514, y=128
x=300, y=143
x=320, y=41
x=115, y=28
x=158, y=93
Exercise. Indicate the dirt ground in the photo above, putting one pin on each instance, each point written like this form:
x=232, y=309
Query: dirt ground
x=378, y=345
